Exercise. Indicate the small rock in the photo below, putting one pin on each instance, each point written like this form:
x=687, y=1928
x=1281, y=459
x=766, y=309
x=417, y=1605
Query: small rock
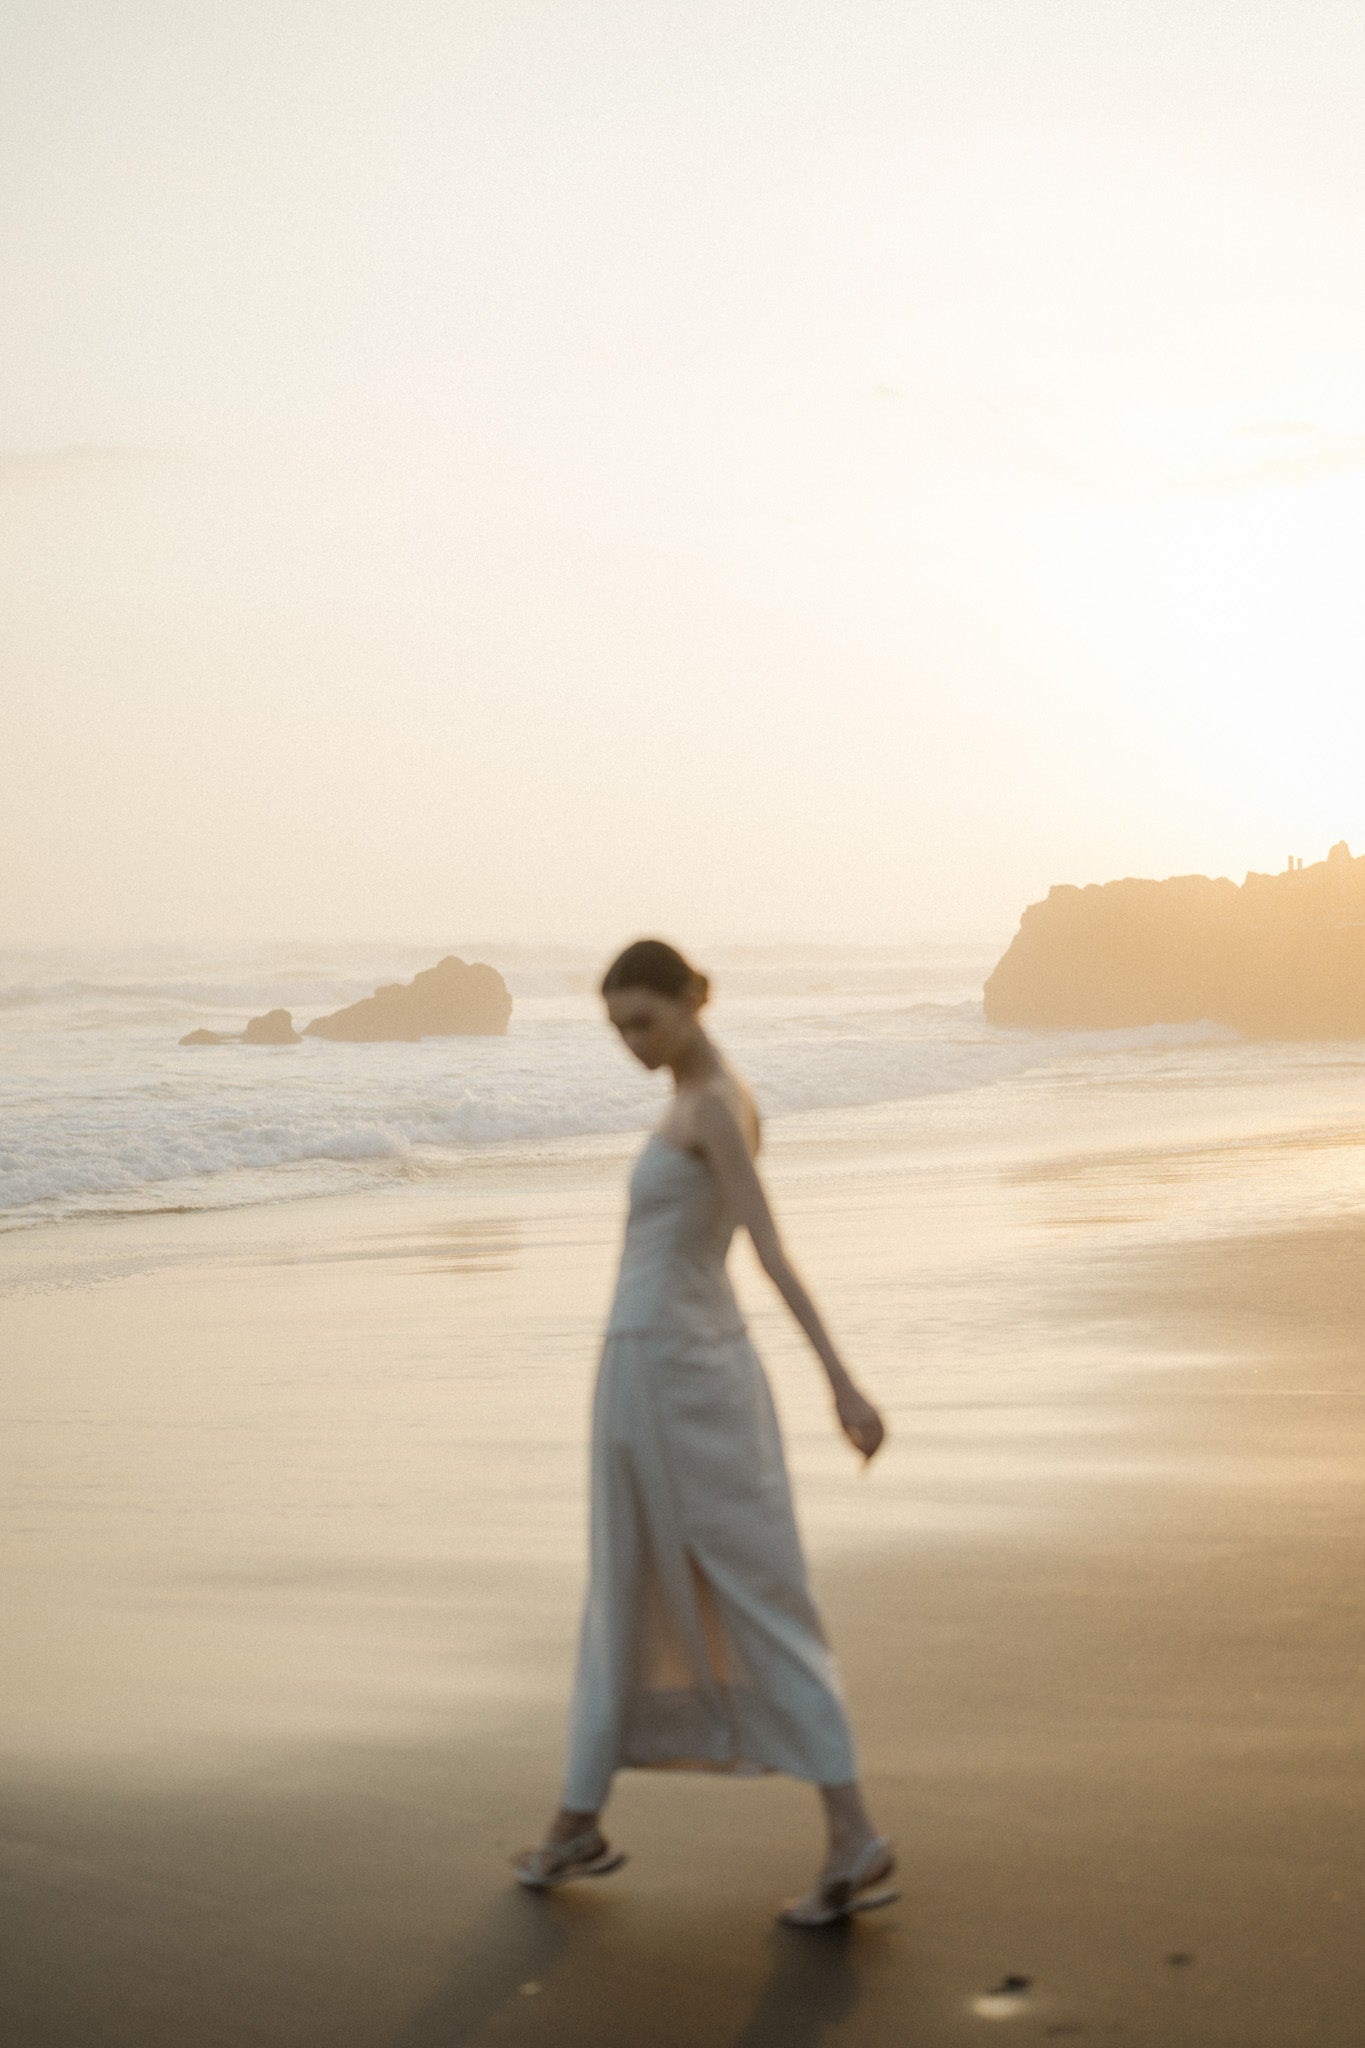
x=1004, y=2000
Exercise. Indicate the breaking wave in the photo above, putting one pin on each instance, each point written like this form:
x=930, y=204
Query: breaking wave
x=104, y=1110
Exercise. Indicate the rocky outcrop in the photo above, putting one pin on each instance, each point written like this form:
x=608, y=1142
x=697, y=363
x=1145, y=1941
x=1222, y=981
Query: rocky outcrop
x=1283, y=956
x=276, y=1027
x=452, y=997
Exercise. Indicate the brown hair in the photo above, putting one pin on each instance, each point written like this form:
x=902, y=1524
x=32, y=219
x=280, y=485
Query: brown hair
x=657, y=966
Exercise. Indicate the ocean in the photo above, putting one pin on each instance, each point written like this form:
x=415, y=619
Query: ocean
x=103, y=1111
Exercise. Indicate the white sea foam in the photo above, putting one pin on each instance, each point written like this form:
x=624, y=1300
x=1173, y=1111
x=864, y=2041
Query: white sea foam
x=102, y=1108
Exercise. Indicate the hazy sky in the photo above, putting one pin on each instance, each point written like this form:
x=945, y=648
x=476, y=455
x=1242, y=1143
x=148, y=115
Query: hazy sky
x=752, y=471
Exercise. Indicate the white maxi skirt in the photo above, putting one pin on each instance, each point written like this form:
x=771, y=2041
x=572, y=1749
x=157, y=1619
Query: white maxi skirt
x=701, y=1646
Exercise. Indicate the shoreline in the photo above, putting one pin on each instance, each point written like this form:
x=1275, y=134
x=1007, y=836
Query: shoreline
x=106, y=1125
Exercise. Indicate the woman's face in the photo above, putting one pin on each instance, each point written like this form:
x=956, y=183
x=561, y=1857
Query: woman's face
x=653, y=1026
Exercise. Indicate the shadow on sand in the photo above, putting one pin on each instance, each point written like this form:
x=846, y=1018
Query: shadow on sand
x=516, y=1943
x=811, y=1984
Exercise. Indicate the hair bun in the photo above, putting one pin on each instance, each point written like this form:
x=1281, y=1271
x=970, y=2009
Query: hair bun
x=654, y=964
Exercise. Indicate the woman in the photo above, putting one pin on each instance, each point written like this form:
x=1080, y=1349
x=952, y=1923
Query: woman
x=700, y=1643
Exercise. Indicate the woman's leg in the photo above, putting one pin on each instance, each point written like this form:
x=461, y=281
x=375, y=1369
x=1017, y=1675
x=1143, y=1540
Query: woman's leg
x=572, y=1841
x=849, y=1826
x=567, y=1825
x=853, y=1876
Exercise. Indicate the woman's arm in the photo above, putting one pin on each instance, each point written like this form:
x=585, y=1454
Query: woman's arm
x=722, y=1143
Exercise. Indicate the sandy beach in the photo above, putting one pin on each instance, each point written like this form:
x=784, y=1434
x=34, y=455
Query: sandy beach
x=289, y=1649
x=554, y=561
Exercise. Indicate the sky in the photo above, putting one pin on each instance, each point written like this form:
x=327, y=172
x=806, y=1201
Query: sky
x=557, y=471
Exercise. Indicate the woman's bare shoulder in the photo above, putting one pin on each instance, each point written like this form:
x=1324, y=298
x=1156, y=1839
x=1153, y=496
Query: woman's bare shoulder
x=728, y=1092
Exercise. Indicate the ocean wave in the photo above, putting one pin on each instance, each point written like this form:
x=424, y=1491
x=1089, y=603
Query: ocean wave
x=233, y=1110
x=184, y=998
x=100, y=1108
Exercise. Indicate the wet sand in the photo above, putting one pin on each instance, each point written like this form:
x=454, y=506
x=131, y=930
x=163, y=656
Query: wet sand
x=294, y=1525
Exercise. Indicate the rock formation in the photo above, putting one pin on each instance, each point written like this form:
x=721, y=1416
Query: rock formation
x=276, y=1027
x=1283, y=956
x=448, y=998
x=441, y=1001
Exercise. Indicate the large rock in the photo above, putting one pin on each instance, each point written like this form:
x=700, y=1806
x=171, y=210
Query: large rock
x=276, y=1027
x=1281, y=957
x=448, y=998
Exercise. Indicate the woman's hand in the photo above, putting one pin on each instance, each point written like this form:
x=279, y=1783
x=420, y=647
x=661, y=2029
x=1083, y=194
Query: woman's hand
x=859, y=1420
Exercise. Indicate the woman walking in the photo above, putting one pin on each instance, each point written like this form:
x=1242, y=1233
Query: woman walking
x=700, y=1643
